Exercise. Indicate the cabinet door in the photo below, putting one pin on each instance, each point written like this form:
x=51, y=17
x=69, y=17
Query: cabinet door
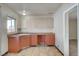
x=34, y=40
x=25, y=41
x=41, y=39
x=49, y=39
x=13, y=44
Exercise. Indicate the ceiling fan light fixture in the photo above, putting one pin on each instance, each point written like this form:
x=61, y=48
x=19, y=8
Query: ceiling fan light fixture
x=24, y=12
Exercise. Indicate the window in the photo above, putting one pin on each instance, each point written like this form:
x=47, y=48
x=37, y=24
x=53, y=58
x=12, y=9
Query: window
x=11, y=24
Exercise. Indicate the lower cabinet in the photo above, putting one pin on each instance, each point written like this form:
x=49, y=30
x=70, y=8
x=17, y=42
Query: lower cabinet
x=13, y=44
x=25, y=41
x=41, y=39
x=16, y=43
x=50, y=39
x=46, y=39
x=34, y=40
x=28, y=40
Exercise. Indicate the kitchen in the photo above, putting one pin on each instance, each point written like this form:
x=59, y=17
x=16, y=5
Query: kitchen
x=28, y=26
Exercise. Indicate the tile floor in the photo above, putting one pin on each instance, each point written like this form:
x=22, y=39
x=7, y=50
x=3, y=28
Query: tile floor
x=37, y=51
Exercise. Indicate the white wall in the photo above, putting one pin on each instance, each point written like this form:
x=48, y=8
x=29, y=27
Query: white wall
x=72, y=29
x=5, y=11
x=37, y=24
x=59, y=27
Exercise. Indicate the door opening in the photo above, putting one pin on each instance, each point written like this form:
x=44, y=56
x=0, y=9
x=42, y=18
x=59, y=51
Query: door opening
x=72, y=16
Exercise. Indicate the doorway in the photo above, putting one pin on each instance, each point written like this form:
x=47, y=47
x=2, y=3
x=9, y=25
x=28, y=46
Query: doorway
x=72, y=16
x=69, y=29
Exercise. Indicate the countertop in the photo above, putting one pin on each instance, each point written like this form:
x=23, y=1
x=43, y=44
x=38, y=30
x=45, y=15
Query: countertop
x=28, y=33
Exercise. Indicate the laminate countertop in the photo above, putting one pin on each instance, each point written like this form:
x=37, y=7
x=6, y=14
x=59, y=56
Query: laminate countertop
x=25, y=33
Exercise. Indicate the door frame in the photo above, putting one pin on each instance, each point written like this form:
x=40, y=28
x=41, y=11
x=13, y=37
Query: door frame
x=66, y=30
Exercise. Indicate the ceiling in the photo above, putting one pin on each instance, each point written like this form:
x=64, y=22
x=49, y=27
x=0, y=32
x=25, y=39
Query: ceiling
x=35, y=8
x=73, y=14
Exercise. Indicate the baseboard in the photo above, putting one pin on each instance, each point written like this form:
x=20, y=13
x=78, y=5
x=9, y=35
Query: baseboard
x=59, y=51
x=4, y=53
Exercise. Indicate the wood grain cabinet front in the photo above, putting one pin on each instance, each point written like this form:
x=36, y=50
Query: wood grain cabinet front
x=50, y=39
x=41, y=39
x=34, y=40
x=16, y=43
x=13, y=44
x=25, y=41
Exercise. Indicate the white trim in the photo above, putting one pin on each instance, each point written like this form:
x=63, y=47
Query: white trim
x=65, y=34
x=70, y=8
x=78, y=27
x=66, y=30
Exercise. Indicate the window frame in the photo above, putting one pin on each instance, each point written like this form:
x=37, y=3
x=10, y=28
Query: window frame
x=11, y=24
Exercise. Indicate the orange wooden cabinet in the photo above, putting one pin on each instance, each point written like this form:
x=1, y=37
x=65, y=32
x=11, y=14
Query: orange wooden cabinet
x=41, y=39
x=34, y=40
x=50, y=39
x=25, y=41
x=13, y=44
x=16, y=43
